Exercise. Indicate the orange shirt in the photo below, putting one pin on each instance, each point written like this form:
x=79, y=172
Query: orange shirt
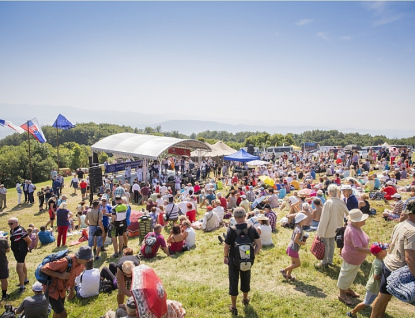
x=58, y=287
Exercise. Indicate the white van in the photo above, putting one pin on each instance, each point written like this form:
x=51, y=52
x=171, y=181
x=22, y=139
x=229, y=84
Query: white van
x=279, y=151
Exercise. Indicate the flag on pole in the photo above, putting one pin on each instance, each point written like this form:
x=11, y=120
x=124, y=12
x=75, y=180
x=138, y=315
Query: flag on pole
x=62, y=123
x=35, y=130
x=10, y=124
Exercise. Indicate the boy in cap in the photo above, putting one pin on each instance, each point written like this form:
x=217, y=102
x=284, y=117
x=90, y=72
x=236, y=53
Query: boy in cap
x=379, y=250
x=62, y=279
x=397, y=208
x=36, y=306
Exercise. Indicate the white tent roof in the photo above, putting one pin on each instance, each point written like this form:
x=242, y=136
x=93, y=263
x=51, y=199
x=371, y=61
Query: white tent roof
x=144, y=146
x=218, y=149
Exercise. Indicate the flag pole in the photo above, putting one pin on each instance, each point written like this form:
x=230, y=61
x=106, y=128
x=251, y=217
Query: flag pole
x=57, y=145
x=30, y=157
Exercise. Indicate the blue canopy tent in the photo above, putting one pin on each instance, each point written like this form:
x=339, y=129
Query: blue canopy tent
x=241, y=156
x=61, y=123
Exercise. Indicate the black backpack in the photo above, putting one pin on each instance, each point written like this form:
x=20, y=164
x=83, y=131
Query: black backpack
x=243, y=250
x=340, y=236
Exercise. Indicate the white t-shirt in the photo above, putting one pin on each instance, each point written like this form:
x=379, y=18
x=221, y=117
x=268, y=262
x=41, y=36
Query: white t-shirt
x=266, y=234
x=220, y=212
x=89, y=286
x=136, y=187
x=191, y=237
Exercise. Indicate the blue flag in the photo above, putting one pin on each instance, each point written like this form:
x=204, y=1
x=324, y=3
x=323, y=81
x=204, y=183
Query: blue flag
x=62, y=123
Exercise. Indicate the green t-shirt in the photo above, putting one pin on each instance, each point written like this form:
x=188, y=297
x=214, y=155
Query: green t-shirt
x=373, y=285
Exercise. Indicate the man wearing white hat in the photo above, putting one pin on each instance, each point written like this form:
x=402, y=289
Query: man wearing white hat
x=332, y=217
x=36, y=306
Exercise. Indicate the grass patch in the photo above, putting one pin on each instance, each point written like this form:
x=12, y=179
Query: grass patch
x=199, y=280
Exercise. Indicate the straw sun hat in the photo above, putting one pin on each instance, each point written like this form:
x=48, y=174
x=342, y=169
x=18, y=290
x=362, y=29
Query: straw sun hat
x=356, y=215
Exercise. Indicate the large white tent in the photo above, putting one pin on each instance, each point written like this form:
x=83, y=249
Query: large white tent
x=144, y=146
x=217, y=150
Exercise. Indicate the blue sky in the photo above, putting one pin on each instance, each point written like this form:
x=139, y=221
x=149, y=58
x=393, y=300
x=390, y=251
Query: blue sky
x=324, y=64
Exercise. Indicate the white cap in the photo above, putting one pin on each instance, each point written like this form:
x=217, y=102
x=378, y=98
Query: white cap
x=300, y=217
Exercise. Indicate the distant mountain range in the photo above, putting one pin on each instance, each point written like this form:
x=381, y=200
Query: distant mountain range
x=46, y=115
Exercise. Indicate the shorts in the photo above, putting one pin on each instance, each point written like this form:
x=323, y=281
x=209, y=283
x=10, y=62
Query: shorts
x=234, y=274
x=4, y=272
x=20, y=256
x=369, y=298
x=106, y=229
x=91, y=237
x=75, y=185
x=118, y=228
x=58, y=305
x=290, y=252
x=83, y=191
x=383, y=283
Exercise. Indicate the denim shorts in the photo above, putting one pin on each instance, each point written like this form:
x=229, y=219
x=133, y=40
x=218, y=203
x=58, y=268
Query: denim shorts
x=91, y=237
x=369, y=298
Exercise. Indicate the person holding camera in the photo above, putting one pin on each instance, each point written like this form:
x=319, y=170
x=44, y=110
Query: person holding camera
x=96, y=228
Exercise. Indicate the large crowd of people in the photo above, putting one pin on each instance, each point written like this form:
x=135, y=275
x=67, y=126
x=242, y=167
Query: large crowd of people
x=324, y=192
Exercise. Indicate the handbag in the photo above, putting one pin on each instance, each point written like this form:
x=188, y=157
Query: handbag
x=317, y=248
x=401, y=284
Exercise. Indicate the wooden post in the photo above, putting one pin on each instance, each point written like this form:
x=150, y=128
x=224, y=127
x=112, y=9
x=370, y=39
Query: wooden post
x=30, y=157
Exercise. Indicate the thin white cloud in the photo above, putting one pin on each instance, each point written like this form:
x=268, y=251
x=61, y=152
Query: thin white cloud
x=328, y=37
x=323, y=35
x=382, y=12
x=387, y=19
x=304, y=22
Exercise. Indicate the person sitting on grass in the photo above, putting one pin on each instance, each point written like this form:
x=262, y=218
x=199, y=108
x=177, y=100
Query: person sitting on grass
x=160, y=243
x=189, y=235
x=87, y=284
x=397, y=209
x=36, y=306
x=31, y=233
x=379, y=250
x=45, y=236
x=294, y=247
x=210, y=220
x=175, y=240
x=264, y=230
x=125, y=311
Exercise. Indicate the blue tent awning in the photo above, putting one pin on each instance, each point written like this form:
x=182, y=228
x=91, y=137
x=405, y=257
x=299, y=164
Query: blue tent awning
x=241, y=156
x=62, y=123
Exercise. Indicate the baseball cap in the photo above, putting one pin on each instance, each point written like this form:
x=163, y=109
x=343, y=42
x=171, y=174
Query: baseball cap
x=396, y=195
x=37, y=287
x=377, y=247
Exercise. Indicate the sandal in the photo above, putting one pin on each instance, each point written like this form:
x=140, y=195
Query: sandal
x=352, y=294
x=292, y=278
x=284, y=274
x=345, y=301
x=349, y=313
x=233, y=310
x=245, y=302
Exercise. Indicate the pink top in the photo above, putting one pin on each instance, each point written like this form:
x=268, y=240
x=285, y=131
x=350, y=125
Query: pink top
x=354, y=237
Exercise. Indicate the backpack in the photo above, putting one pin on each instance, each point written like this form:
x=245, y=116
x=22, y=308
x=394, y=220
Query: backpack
x=150, y=243
x=46, y=279
x=9, y=313
x=105, y=286
x=340, y=236
x=243, y=250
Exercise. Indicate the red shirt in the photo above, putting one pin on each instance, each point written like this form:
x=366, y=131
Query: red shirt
x=191, y=215
x=389, y=191
x=223, y=203
x=83, y=185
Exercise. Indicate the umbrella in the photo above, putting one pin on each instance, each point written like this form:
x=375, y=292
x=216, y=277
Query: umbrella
x=352, y=147
x=267, y=180
x=148, y=292
x=258, y=163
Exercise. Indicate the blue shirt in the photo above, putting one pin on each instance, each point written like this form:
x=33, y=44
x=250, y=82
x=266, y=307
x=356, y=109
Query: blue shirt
x=352, y=203
x=127, y=217
x=45, y=237
x=377, y=183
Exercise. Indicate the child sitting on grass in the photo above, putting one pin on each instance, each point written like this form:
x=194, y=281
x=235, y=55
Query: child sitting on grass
x=33, y=236
x=297, y=239
x=373, y=283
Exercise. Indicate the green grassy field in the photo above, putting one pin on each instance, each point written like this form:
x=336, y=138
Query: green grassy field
x=198, y=278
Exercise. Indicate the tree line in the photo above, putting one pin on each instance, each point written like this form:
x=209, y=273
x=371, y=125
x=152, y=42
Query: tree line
x=74, y=145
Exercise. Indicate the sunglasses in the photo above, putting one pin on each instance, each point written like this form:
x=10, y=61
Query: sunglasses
x=11, y=223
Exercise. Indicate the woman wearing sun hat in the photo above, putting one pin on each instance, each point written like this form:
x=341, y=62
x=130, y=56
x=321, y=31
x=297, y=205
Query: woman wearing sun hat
x=354, y=252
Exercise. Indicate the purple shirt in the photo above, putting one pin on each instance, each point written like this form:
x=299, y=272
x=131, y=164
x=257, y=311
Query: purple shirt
x=160, y=241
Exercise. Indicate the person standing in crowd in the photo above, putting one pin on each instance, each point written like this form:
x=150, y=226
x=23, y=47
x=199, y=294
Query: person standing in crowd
x=19, y=193
x=26, y=191
x=355, y=250
x=401, y=253
x=119, y=225
x=3, y=193
x=41, y=198
x=4, y=267
x=62, y=280
x=62, y=221
x=30, y=192
x=96, y=228
x=19, y=245
x=74, y=183
x=136, y=191
x=234, y=271
x=56, y=186
x=36, y=306
x=332, y=217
